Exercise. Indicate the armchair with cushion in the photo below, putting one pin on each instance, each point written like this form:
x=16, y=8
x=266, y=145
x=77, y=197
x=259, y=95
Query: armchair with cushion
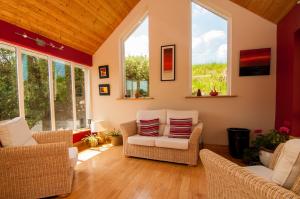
x=227, y=180
x=42, y=168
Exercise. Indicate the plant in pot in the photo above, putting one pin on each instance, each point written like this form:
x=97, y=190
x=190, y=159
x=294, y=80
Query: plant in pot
x=115, y=137
x=92, y=140
x=264, y=145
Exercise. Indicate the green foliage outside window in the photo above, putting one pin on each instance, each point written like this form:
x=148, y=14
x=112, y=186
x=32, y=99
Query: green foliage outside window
x=137, y=71
x=209, y=76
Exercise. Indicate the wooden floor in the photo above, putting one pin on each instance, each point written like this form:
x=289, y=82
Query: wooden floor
x=106, y=174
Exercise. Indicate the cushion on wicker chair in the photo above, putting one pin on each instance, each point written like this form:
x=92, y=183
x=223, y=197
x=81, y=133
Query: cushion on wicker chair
x=287, y=168
x=261, y=171
x=73, y=156
x=141, y=140
x=173, y=143
x=16, y=132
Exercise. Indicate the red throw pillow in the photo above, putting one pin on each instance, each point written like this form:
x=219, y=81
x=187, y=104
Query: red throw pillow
x=149, y=127
x=181, y=128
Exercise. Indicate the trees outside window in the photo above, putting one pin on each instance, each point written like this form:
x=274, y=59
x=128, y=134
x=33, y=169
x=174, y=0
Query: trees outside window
x=209, y=51
x=136, y=63
x=80, y=98
x=36, y=92
x=9, y=105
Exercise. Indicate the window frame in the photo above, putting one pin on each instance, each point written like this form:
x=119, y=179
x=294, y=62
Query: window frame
x=122, y=62
x=225, y=15
x=50, y=58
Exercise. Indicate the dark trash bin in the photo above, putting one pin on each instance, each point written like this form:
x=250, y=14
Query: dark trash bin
x=238, y=139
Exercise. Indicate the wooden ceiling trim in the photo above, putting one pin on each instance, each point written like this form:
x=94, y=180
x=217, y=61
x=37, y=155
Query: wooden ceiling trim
x=272, y=10
x=44, y=27
x=63, y=19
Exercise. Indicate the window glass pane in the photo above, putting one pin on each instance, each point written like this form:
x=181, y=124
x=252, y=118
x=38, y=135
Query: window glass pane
x=209, y=51
x=80, y=98
x=136, y=49
x=36, y=92
x=9, y=106
x=62, y=87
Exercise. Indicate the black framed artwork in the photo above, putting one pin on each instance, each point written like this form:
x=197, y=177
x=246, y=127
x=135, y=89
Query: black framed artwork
x=103, y=71
x=104, y=89
x=167, y=71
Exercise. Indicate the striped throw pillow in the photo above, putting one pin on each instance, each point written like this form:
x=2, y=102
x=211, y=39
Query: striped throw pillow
x=181, y=128
x=149, y=127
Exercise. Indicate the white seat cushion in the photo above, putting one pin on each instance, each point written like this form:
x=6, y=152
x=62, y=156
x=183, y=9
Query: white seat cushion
x=287, y=168
x=174, y=114
x=73, y=156
x=16, y=132
x=141, y=140
x=261, y=171
x=173, y=143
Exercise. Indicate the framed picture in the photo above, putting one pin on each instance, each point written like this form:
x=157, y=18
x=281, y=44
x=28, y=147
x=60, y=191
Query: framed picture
x=167, y=70
x=103, y=72
x=104, y=89
x=255, y=62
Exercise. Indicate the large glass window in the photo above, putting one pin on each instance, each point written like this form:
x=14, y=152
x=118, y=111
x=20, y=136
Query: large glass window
x=136, y=53
x=9, y=106
x=209, y=51
x=80, y=98
x=36, y=91
x=62, y=86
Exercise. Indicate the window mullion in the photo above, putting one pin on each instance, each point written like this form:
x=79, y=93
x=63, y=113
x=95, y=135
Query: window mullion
x=20, y=82
x=52, y=107
x=73, y=96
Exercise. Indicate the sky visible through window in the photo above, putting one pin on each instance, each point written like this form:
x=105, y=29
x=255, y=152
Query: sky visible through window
x=209, y=36
x=138, y=43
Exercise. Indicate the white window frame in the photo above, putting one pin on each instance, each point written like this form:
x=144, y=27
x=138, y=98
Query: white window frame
x=123, y=39
x=19, y=50
x=225, y=15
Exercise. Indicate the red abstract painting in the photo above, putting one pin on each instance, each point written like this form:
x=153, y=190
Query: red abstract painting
x=255, y=62
x=168, y=59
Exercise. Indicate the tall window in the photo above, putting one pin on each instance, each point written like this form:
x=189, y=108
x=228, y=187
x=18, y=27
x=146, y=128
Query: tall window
x=49, y=93
x=62, y=86
x=80, y=98
x=9, y=106
x=209, y=51
x=36, y=91
x=136, y=53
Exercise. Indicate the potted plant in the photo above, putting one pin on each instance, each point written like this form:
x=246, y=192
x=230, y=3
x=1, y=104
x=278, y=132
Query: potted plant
x=92, y=140
x=115, y=137
x=264, y=145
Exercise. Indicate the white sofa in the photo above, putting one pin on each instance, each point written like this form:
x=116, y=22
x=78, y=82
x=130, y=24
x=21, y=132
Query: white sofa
x=162, y=147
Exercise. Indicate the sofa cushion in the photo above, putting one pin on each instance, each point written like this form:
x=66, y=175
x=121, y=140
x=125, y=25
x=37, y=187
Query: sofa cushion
x=180, y=128
x=287, y=168
x=181, y=115
x=173, y=143
x=141, y=140
x=151, y=114
x=261, y=171
x=73, y=155
x=149, y=127
x=16, y=132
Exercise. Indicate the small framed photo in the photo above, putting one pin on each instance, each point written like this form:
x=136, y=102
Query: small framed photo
x=104, y=89
x=103, y=72
x=167, y=63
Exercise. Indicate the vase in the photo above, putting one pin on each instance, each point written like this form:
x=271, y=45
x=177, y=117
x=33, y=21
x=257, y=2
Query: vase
x=116, y=140
x=265, y=157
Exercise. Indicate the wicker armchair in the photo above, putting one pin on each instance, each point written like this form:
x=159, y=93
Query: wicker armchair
x=227, y=180
x=37, y=171
x=189, y=156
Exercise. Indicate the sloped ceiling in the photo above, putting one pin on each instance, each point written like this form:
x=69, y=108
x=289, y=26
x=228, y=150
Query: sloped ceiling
x=272, y=10
x=86, y=24
x=80, y=24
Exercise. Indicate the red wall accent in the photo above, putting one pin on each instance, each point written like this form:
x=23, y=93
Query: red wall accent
x=7, y=33
x=78, y=136
x=288, y=72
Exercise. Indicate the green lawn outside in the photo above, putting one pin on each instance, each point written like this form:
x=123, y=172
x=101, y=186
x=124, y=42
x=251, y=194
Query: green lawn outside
x=207, y=76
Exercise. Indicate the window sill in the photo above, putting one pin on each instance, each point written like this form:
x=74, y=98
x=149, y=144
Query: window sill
x=208, y=96
x=136, y=99
x=81, y=130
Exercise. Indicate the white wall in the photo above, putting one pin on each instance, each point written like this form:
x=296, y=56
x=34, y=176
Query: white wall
x=170, y=23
